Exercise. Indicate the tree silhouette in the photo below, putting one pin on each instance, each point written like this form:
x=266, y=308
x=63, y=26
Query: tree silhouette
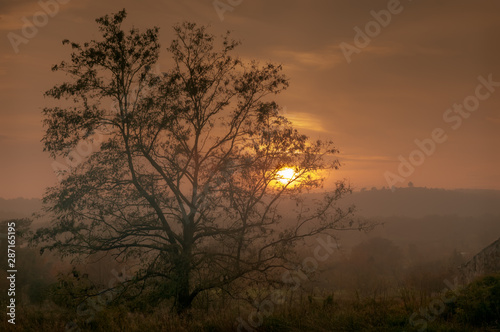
x=183, y=182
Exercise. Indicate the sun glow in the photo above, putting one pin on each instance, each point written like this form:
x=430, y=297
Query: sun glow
x=285, y=175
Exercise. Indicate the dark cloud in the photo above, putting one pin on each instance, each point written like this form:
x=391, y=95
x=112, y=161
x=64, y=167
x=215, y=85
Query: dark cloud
x=9, y=6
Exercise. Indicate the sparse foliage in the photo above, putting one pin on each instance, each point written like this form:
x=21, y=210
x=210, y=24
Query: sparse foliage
x=184, y=182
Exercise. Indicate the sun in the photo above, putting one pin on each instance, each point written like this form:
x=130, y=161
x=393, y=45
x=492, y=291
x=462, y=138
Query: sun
x=285, y=175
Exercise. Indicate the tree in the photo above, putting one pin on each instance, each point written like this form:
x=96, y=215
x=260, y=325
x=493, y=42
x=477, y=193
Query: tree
x=188, y=175
x=34, y=282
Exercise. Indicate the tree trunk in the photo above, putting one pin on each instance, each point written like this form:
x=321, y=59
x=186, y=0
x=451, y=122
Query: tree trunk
x=183, y=297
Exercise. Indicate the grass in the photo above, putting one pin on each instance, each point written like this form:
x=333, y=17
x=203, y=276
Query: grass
x=364, y=315
x=474, y=308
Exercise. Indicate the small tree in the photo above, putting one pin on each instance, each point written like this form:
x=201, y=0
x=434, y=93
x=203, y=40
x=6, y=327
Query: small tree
x=190, y=173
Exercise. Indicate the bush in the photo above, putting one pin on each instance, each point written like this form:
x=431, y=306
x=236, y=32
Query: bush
x=275, y=324
x=478, y=303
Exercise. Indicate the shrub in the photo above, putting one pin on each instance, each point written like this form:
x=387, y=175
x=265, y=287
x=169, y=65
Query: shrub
x=479, y=302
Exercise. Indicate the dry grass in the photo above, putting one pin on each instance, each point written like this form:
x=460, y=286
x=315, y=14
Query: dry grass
x=308, y=314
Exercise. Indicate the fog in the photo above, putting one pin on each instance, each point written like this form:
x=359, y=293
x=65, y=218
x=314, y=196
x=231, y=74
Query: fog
x=236, y=165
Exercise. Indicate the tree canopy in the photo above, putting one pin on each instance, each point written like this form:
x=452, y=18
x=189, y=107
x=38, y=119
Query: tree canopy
x=186, y=181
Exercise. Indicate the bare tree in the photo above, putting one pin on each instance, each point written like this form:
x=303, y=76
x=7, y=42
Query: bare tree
x=190, y=174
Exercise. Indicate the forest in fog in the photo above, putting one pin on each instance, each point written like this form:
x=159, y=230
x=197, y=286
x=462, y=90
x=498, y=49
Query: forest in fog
x=412, y=253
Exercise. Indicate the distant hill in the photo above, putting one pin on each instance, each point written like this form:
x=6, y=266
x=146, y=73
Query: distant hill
x=430, y=222
x=403, y=202
x=18, y=207
x=434, y=221
x=421, y=202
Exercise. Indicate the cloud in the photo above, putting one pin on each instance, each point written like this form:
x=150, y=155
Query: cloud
x=330, y=56
x=13, y=14
x=8, y=7
x=326, y=58
x=373, y=158
x=307, y=121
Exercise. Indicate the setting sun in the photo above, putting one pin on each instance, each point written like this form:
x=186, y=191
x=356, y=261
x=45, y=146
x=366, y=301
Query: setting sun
x=285, y=175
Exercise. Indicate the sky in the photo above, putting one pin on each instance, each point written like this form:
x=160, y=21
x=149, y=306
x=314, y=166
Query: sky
x=408, y=90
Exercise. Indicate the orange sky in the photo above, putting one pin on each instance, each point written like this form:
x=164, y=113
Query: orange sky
x=394, y=90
